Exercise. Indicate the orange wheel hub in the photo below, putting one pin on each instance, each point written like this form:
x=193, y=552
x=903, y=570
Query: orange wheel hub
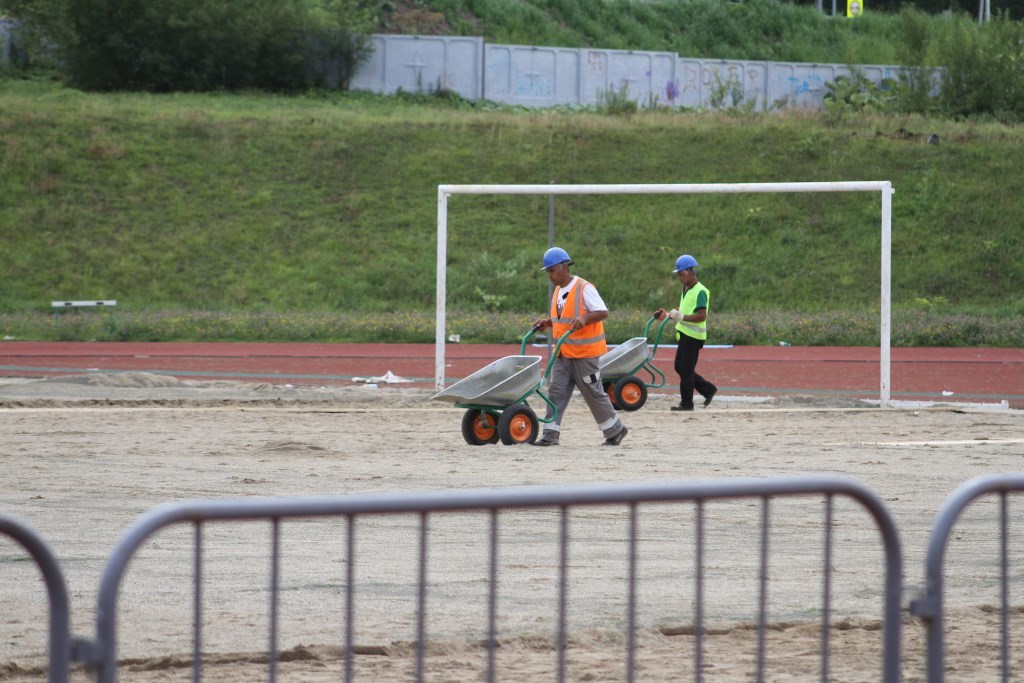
x=630, y=394
x=521, y=428
x=484, y=426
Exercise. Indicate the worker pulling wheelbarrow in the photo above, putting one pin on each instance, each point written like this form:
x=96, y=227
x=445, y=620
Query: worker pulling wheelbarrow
x=495, y=398
x=620, y=368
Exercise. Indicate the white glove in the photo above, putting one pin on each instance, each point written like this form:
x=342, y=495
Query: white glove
x=674, y=314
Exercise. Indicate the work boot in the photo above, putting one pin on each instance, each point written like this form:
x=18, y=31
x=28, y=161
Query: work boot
x=617, y=439
x=547, y=439
x=710, y=395
x=682, y=407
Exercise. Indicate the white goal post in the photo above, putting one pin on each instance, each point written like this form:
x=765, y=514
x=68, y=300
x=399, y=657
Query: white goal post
x=882, y=186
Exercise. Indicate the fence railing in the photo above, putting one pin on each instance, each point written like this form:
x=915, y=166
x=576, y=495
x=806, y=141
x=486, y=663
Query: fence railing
x=59, y=644
x=100, y=653
x=929, y=606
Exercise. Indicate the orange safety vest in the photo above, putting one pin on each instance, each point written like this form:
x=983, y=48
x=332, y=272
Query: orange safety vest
x=586, y=342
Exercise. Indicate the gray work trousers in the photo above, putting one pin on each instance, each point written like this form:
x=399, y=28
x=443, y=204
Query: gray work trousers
x=582, y=374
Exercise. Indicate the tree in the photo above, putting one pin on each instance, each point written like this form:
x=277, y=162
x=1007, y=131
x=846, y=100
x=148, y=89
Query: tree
x=197, y=45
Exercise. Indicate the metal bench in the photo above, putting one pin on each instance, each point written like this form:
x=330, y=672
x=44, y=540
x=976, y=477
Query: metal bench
x=59, y=306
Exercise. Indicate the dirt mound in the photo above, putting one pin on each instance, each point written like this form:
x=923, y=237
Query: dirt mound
x=127, y=389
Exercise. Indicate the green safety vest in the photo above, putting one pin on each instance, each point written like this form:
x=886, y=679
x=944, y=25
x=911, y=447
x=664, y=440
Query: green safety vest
x=688, y=305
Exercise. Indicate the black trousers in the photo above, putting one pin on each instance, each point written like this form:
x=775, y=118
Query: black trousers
x=687, y=352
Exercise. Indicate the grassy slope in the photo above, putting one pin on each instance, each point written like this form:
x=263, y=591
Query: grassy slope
x=753, y=29
x=308, y=204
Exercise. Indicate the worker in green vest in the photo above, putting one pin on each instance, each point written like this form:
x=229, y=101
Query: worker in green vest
x=691, y=332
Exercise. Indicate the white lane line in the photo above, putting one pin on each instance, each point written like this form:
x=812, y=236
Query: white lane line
x=954, y=442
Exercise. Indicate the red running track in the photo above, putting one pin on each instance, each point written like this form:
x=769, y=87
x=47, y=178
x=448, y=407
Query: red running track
x=917, y=374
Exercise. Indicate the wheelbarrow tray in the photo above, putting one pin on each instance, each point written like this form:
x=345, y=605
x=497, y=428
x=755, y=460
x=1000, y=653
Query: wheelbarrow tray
x=499, y=384
x=624, y=359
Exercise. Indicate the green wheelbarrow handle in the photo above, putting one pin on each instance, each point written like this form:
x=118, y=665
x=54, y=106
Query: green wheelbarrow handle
x=547, y=370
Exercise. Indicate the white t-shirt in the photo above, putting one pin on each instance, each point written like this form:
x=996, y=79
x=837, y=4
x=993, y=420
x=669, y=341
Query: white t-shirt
x=592, y=301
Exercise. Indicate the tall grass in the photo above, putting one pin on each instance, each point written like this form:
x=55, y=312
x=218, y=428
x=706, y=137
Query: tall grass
x=909, y=327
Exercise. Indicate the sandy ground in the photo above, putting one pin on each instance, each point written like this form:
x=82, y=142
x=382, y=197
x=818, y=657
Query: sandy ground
x=82, y=457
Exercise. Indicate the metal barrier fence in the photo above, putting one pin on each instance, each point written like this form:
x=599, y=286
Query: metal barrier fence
x=59, y=645
x=929, y=607
x=494, y=501
x=101, y=654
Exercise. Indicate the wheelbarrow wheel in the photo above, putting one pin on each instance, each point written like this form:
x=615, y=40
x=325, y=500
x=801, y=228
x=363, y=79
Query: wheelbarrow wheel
x=630, y=393
x=479, y=427
x=609, y=388
x=517, y=424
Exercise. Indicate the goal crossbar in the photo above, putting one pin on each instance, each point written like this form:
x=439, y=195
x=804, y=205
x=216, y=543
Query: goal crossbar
x=884, y=187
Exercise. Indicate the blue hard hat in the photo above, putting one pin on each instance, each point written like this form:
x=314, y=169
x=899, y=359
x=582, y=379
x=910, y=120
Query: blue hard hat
x=685, y=262
x=554, y=256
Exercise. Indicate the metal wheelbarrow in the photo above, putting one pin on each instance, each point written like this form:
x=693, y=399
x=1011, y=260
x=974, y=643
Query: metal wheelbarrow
x=495, y=398
x=620, y=367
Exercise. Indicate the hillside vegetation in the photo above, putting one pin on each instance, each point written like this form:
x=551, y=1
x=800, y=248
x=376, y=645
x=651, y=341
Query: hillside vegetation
x=951, y=66
x=315, y=217
x=754, y=29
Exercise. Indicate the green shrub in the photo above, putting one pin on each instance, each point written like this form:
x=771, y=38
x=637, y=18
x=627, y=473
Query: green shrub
x=917, y=80
x=727, y=95
x=983, y=68
x=617, y=102
x=196, y=45
x=191, y=45
x=858, y=94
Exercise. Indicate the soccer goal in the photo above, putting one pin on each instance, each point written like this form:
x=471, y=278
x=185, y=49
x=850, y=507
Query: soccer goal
x=882, y=186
